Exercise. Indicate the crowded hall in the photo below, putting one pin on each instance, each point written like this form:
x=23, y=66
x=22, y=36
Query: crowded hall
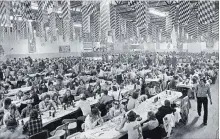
x=109, y=69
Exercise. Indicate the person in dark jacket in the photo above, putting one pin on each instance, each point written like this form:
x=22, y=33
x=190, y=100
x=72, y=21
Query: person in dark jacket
x=164, y=110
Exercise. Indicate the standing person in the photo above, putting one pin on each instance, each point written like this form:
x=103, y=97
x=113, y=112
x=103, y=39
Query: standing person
x=201, y=92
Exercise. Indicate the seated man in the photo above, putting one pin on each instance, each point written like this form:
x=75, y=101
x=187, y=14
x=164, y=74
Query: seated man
x=47, y=104
x=34, y=125
x=164, y=110
x=131, y=126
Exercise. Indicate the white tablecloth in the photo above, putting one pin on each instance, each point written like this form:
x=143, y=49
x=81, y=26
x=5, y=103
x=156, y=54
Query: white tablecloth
x=107, y=130
x=15, y=91
x=46, y=119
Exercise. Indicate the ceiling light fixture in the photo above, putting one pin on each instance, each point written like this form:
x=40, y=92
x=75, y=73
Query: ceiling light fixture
x=158, y=13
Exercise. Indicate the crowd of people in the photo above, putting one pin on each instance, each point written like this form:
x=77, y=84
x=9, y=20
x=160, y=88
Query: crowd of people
x=105, y=80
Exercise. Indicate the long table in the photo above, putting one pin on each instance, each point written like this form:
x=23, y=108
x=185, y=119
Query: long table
x=46, y=119
x=108, y=129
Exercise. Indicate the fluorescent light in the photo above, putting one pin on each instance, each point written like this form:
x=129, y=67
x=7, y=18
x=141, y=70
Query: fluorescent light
x=77, y=25
x=158, y=13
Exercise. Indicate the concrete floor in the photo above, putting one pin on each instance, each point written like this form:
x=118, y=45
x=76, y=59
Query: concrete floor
x=195, y=129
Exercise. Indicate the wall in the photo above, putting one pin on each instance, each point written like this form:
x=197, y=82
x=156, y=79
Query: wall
x=19, y=48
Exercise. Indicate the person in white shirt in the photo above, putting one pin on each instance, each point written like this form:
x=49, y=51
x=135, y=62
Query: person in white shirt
x=151, y=124
x=47, y=104
x=85, y=108
x=93, y=119
x=131, y=126
x=133, y=101
x=115, y=93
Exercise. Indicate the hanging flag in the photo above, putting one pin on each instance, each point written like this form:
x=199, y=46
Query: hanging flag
x=66, y=18
x=71, y=29
x=141, y=14
x=5, y=13
x=112, y=16
x=184, y=12
x=59, y=25
x=154, y=33
x=123, y=26
x=52, y=26
x=104, y=20
x=206, y=12
x=85, y=22
x=129, y=32
x=97, y=25
x=215, y=25
x=192, y=27
x=117, y=29
x=31, y=38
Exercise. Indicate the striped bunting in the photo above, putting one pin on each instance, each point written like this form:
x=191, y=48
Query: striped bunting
x=206, y=12
x=143, y=32
x=184, y=12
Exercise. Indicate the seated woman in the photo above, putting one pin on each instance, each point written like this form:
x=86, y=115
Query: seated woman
x=55, y=98
x=93, y=119
x=149, y=126
x=68, y=97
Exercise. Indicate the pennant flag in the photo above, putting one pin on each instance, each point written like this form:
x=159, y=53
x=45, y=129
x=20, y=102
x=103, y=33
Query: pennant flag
x=134, y=29
x=184, y=12
x=206, y=12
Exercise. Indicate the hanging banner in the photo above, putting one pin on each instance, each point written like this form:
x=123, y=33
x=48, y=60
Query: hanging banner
x=31, y=39
x=64, y=49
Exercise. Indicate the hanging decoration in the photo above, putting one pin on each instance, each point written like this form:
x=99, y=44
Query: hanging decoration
x=206, y=12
